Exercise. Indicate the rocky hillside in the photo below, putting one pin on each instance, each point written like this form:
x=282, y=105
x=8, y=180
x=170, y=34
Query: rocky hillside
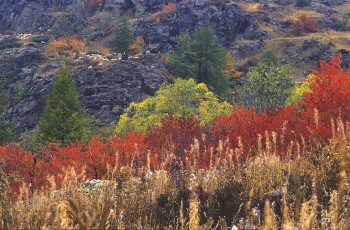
x=107, y=85
x=56, y=17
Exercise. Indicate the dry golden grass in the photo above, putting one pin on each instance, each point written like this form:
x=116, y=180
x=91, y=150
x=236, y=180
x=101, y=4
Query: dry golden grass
x=293, y=14
x=343, y=8
x=249, y=7
x=307, y=190
x=280, y=43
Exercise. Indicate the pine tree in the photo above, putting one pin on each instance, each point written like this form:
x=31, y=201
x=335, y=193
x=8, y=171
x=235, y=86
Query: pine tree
x=140, y=11
x=5, y=134
x=123, y=37
x=200, y=56
x=64, y=118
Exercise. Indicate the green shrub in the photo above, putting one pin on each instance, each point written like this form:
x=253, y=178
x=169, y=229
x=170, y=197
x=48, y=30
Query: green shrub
x=302, y=3
x=342, y=24
x=266, y=85
x=40, y=39
x=11, y=44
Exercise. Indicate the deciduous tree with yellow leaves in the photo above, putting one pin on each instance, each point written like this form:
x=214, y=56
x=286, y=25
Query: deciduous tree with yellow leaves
x=184, y=98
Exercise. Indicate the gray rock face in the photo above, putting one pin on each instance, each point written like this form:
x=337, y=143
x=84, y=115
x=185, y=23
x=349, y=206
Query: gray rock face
x=104, y=90
x=28, y=16
x=228, y=21
x=246, y=50
x=31, y=16
x=333, y=2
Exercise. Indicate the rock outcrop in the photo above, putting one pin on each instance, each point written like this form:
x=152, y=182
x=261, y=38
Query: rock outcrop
x=106, y=87
x=228, y=21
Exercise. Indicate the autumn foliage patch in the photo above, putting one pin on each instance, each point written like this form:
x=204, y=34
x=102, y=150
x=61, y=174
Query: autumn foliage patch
x=66, y=46
x=182, y=143
x=157, y=17
x=138, y=45
x=304, y=24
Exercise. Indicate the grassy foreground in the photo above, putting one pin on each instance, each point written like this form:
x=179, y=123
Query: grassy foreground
x=306, y=190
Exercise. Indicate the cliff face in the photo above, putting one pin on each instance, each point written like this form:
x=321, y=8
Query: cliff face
x=228, y=21
x=39, y=16
x=106, y=85
x=29, y=15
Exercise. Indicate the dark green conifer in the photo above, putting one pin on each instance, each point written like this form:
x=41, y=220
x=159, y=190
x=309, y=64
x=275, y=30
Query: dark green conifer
x=123, y=37
x=200, y=56
x=5, y=134
x=64, y=120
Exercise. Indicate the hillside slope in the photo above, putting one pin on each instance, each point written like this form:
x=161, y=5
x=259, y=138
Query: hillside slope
x=106, y=85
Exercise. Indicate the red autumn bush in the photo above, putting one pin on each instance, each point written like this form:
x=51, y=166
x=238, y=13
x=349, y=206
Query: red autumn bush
x=330, y=91
x=27, y=167
x=304, y=24
x=175, y=136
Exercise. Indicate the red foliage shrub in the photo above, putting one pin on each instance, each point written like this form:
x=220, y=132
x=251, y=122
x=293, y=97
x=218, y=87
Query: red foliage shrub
x=174, y=136
x=330, y=92
x=304, y=24
x=28, y=167
x=97, y=155
x=328, y=101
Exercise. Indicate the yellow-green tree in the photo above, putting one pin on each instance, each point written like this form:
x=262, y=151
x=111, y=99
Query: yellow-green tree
x=184, y=98
x=299, y=90
x=267, y=84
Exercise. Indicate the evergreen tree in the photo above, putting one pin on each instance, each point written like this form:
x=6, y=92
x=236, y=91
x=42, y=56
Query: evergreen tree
x=140, y=11
x=123, y=37
x=64, y=119
x=5, y=134
x=200, y=56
